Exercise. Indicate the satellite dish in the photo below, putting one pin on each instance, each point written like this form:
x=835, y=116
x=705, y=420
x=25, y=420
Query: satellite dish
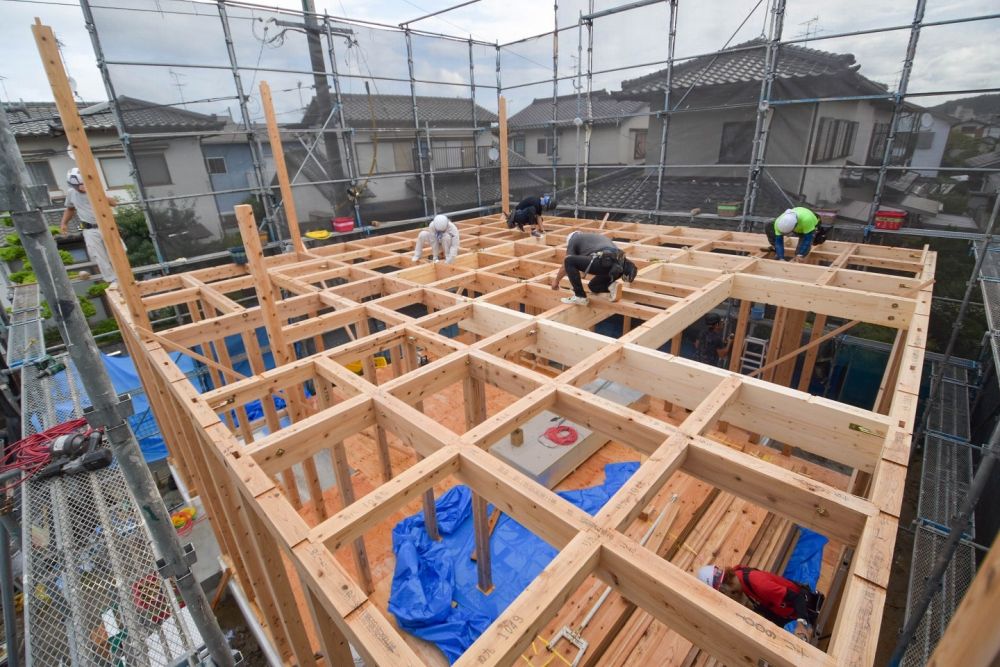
x=926, y=120
x=493, y=153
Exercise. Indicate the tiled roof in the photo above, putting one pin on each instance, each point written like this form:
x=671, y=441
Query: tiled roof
x=984, y=160
x=606, y=110
x=744, y=64
x=398, y=110
x=38, y=119
x=636, y=189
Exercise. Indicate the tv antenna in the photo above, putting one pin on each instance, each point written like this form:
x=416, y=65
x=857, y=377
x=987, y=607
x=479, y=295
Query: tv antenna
x=178, y=85
x=812, y=29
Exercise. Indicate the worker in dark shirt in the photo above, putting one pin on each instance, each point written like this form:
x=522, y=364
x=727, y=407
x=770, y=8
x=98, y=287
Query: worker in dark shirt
x=774, y=597
x=711, y=346
x=595, y=255
x=528, y=213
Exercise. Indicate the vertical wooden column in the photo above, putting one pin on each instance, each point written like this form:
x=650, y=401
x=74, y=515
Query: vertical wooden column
x=735, y=352
x=274, y=135
x=504, y=169
x=336, y=649
x=809, y=363
x=371, y=373
x=475, y=413
x=268, y=297
x=342, y=473
x=430, y=506
x=791, y=340
x=77, y=138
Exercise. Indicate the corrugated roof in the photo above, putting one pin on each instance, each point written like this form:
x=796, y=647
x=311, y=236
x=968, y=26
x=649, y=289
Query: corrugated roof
x=398, y=110
x=607, y=110
x=39, y=119
x=745, y=63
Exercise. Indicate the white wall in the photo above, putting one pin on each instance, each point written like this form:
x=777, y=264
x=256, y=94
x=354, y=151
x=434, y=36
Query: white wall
x=609, y=144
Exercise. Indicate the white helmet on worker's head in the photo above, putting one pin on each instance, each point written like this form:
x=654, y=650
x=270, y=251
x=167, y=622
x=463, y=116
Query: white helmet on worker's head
x=711, y=575
x=786, y=221
x=440, y=223
x=74, y=177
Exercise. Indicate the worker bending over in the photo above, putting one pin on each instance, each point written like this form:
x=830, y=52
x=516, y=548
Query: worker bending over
x=78, y=204
x=777, y=599
x=441, y=235
x=799, y=221
x=528, y=213
x=595, y=255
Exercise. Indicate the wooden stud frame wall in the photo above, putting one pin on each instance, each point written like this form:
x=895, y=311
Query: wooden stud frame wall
x=326, y=307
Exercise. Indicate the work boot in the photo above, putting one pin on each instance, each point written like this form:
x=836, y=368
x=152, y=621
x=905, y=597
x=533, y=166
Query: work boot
x=575, y=300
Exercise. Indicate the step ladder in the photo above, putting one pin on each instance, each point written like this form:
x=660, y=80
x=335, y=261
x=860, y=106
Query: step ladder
x=754, y=352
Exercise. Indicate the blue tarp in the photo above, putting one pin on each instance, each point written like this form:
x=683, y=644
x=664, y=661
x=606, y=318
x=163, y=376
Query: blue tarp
x=434, y=589
x=807, y=558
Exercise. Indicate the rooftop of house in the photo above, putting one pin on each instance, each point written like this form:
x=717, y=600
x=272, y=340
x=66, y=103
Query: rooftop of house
x=398, y=110
x=41, y=119
x=991, y=159
x=800, y=72
x=605, y=108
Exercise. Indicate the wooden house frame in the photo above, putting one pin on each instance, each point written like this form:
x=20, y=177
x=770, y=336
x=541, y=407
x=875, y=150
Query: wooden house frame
x=281, y=543
x=498, y=293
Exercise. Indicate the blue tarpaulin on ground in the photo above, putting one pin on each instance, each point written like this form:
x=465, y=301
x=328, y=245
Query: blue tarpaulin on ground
x=434, y=589
x=807, y=558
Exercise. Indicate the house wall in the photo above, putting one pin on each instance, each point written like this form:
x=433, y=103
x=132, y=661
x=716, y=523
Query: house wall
x=822, y=186
x=239, y=174
x=695, y=139
x=609, y=144
x=926, y=160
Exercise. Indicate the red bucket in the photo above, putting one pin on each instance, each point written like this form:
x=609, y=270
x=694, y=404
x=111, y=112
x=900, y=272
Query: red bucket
x=345, y=224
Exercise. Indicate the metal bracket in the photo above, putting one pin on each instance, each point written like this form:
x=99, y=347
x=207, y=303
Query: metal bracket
x=122, y=410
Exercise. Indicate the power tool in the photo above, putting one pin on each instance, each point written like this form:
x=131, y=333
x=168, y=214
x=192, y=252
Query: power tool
x=77, y=452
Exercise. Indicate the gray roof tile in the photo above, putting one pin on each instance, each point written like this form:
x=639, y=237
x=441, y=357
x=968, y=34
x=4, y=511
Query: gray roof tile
x=606, y=110
x=39, y=119
x=398, y=110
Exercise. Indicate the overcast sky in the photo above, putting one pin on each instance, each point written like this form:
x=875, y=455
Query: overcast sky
x=954, y=57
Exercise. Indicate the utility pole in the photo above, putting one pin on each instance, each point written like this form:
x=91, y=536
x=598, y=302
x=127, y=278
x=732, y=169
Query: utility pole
x=108, y=411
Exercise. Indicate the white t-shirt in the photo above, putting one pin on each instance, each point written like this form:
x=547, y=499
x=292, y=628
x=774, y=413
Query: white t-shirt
x=81, y=202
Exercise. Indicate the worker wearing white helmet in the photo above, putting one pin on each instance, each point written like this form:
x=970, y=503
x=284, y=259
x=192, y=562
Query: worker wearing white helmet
x=799, y=221
x=442, y=236
x=78, y=204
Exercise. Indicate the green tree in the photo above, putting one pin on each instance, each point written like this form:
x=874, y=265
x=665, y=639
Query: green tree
x=135, y=233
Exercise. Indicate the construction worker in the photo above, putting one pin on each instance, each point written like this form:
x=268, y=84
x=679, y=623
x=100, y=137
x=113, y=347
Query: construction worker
x=799, y=221
x=78, y=204
x=710, y=347
x=777, y=599
x=528, y=212
x=441, y=235
x=595, y=255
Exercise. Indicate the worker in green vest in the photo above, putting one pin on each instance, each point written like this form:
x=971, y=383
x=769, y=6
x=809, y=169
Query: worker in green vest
x=799, y=221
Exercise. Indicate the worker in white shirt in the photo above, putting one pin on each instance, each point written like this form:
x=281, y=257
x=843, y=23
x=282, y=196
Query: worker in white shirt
x=442, y=236
x=78, y=204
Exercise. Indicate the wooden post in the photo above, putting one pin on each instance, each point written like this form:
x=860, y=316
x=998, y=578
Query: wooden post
x=268, y=297
x=504, y=172
x=475, y=413
x=736, y=350
x=430, y=506
x=809, y=363
x=77, y=138
x=274, y=135
x=342, y=472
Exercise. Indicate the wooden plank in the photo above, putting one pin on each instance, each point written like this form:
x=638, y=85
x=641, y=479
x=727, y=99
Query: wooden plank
x=504, y=170
x=76, y=135
x=278, y=152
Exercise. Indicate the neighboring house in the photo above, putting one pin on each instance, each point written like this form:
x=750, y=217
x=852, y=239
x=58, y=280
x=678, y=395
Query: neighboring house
x=979, y=129
x=230, y=169
x=168, y=165
x=924, y=133
x=618, y=135
x=985, y=182
x=715, y=122
x=386, y=155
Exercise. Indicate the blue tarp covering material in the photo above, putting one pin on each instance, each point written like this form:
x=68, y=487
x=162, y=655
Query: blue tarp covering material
x=807, y=558
x=434, y=589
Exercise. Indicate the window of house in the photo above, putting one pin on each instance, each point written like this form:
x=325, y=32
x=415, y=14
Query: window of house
x=737, y=142
x=639, y=144
x=880, y=133
x=403, y=154
x=216, y=165
x=41, y=174
x=968, y=129
x=546, y=146
x=834, y=139
x=153, y=169
x=517, y=144
x=925, y=140
x=116, y=172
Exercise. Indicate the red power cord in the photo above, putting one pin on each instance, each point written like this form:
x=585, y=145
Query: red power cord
x=561, y=435
x=33, y=453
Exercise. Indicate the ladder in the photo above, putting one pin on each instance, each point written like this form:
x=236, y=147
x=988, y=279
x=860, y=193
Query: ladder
x=754, y=351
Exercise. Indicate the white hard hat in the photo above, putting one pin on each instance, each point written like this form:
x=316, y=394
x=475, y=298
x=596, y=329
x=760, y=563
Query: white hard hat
x=711, y=575
x=74, y=177
x=440, y=223
x=787, y=221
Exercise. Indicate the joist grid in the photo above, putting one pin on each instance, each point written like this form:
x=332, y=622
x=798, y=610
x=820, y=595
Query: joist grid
x=680, y=280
